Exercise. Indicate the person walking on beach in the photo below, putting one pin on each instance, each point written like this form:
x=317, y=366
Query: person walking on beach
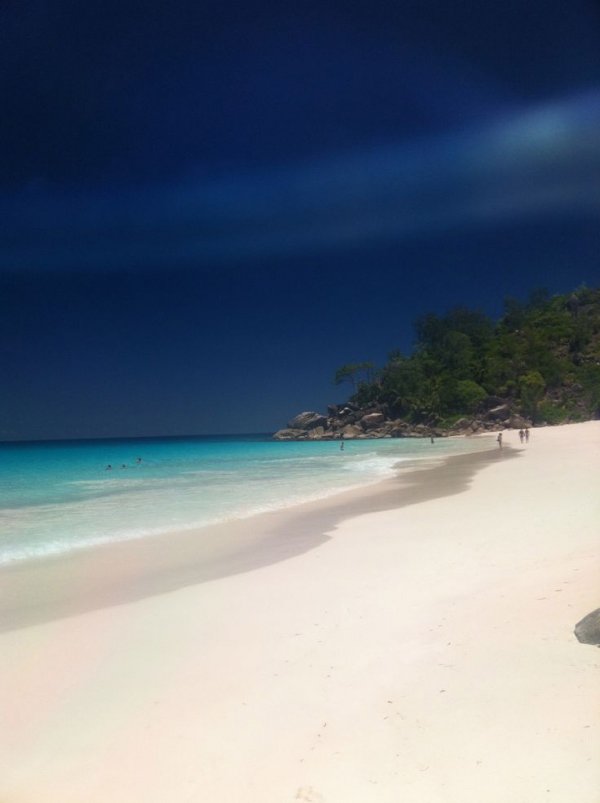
x=526, y=434
x=499, y=439
x=521, y=435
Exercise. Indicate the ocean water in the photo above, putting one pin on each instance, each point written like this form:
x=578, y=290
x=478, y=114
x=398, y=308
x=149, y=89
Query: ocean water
x=59, y=496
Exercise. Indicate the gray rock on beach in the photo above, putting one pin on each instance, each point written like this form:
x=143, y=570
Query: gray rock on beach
x=307, y=420
x=351, y=431
x=588, y=629
x=498, y=413
x=518, y=422
x=289, y=435
x=372, y=420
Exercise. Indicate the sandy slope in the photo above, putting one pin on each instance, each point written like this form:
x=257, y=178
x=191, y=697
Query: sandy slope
x=417, y=655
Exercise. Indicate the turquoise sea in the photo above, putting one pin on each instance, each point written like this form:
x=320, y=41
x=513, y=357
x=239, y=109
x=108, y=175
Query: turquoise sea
x=59, y=496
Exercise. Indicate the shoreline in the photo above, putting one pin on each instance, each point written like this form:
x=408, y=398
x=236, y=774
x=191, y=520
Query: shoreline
x=116, y=572
x=15, y=554
x=423, y=652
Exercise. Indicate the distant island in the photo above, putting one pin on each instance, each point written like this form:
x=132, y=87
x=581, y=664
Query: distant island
x=538, y=365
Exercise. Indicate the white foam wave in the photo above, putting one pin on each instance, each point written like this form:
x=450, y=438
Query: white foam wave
x=121, y=508
x=17, y=552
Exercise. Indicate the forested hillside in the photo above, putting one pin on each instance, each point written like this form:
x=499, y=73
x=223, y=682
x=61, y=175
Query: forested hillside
x=539, y=364
x=542, y=358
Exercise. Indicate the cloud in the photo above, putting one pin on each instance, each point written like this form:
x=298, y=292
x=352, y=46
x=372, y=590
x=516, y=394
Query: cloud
x=544, y=161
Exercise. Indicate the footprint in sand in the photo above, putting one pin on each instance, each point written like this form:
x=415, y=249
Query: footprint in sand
x=309, y=795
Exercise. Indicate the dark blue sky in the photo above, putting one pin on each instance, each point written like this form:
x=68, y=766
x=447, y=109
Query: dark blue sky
x=208, y=207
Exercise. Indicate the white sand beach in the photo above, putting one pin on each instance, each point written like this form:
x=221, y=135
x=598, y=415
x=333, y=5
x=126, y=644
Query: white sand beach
x=420, y=653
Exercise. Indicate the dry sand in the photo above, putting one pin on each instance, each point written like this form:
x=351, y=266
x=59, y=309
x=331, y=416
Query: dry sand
x=409, y=644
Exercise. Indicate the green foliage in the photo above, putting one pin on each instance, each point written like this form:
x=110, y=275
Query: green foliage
x=468, y=395
x=543, y=356
x=366, y=393
x=553, y=413
x=531, y=387
x=589, y=376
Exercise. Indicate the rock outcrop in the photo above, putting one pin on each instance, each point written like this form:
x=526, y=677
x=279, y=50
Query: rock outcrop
x=498, y=413
x=290, y=435
x=307, y=421
x=372, y=420
x=349, y=422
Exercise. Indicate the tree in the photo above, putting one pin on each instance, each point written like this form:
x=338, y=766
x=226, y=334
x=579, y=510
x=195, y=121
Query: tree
x=354, y=373
x=469, y=396
x=531, y=388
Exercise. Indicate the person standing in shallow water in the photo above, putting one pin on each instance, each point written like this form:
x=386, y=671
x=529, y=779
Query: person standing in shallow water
x=499, y=439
